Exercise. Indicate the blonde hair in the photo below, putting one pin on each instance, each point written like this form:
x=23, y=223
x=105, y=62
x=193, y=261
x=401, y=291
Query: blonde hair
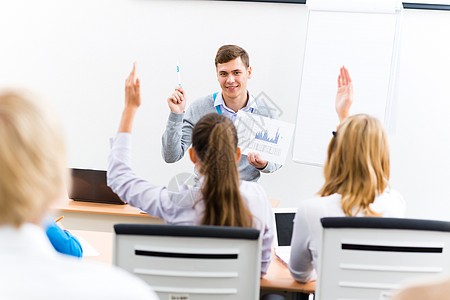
x=357, y=165
x=214, y=140
x=32, y=158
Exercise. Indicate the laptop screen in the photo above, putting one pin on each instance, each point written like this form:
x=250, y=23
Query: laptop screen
x=90, y=185
x=284, y=223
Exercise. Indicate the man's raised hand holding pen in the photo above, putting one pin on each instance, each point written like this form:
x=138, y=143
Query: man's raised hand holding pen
x=177, y=101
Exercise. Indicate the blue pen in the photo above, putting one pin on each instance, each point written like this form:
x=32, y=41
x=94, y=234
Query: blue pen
x=178, y=75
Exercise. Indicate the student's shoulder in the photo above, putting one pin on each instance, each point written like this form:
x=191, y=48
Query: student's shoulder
x=391, y=203
x=393, y=193
x=318, y=201
x=318, y=206
x=254, y=194
x=390, y=196
x=252, y=187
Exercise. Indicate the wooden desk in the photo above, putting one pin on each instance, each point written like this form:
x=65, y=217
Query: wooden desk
x=101, y=241
x=92, y=216
x=277, y=278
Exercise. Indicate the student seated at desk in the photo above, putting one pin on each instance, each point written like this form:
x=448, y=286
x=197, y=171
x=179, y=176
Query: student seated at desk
x=34, y=175
x=356, y=183
x=219, y=198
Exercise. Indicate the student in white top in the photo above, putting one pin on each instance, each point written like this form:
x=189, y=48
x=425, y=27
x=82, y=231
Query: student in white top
x=356, y=183
x=34, y=174
x=219, y=197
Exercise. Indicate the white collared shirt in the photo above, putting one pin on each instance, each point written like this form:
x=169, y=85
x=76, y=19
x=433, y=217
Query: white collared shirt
x=30, y=268
x=228, y=112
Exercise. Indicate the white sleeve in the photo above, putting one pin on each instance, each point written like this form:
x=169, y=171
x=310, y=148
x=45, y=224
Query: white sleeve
x=301, y=262
x=400, y=204
x=153, y=199
x=390, y=204
x=268, y=234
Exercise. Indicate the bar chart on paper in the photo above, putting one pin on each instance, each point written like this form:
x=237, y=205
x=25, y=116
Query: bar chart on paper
x=269, y=138
x=264, y=136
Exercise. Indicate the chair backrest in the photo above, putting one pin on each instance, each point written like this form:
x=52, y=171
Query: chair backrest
x=368, y=258
x=192, y=262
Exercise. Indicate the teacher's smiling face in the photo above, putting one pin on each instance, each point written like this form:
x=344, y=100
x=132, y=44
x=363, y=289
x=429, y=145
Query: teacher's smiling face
x=233, y=76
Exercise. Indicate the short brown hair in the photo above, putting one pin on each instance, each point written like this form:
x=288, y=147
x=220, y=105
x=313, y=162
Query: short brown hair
x=227, y=53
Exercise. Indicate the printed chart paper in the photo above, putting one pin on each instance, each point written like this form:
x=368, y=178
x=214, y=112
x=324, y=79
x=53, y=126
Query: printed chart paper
x=268, y=137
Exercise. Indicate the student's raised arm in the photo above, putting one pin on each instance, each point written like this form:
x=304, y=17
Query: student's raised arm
x=132, y=101
x=344, y=95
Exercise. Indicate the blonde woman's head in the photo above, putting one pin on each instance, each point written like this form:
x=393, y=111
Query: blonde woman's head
x=357, y=165
x=33, y=171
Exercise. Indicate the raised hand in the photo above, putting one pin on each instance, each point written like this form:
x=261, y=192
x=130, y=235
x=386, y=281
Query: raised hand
x=177, y=101
x=132, y=101
x=132, y=90
x=344, y=96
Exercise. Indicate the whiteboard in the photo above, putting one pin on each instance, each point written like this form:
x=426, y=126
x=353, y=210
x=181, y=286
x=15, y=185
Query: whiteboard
x=366, y=42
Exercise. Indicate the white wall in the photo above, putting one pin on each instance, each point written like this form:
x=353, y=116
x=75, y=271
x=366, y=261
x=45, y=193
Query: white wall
x=420, y=150
x=78, y=53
